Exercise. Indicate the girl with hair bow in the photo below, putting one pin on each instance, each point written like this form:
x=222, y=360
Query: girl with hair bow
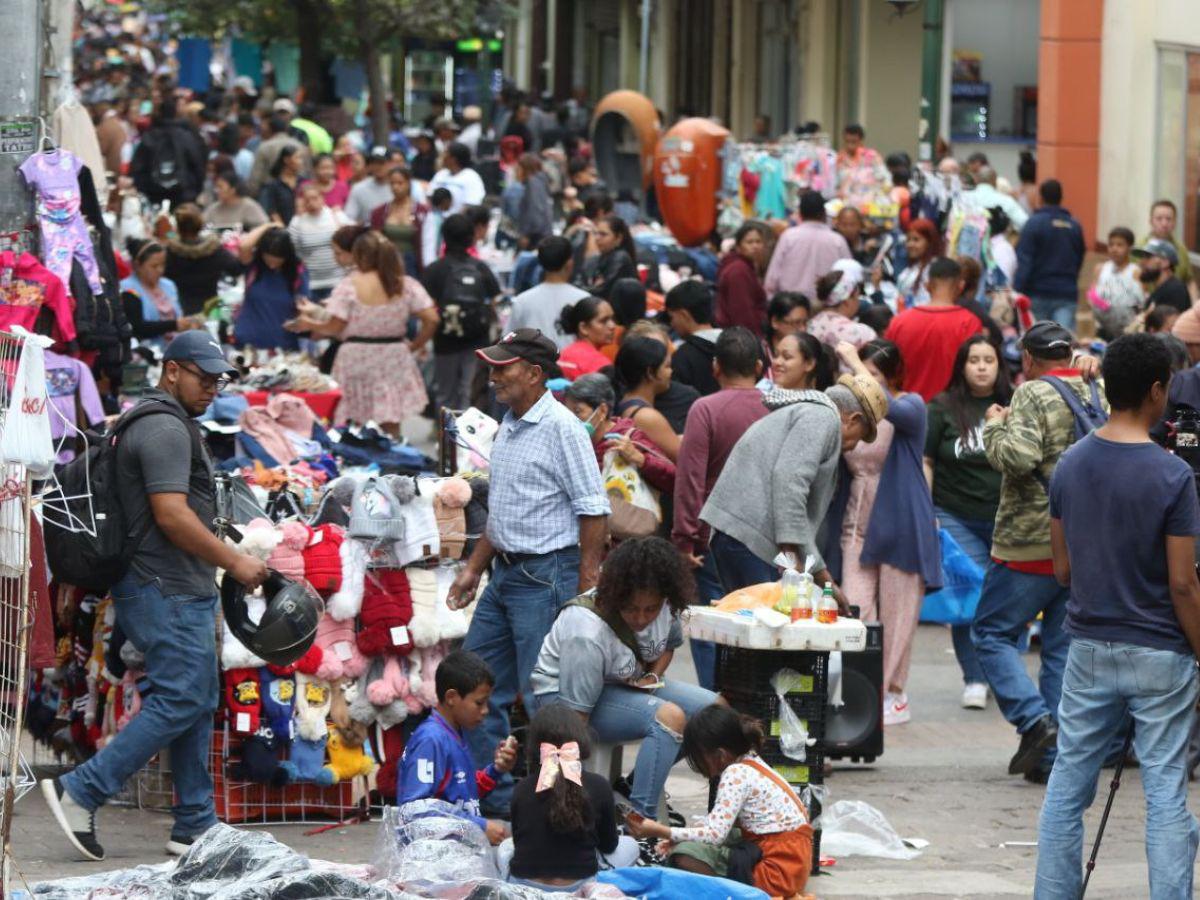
x=563, y=818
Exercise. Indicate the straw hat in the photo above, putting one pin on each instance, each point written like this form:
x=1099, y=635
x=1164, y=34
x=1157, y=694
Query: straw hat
x=871, y=398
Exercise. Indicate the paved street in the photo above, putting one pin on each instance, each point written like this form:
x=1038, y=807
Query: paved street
x=942, y=778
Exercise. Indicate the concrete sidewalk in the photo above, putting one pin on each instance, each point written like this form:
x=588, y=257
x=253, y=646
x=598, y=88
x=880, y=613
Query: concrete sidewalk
x=942, y=777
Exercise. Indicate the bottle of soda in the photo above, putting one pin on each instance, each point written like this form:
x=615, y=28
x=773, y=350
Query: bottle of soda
x=803, y=610
x=827, y=611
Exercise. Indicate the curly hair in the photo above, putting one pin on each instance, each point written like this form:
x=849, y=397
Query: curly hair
x=644, y=564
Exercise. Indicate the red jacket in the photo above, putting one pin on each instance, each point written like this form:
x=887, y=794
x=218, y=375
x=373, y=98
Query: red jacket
x=657, y=470
x=741, y=299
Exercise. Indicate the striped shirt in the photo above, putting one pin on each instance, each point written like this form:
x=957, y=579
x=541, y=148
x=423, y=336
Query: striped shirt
x=543, y=478
x=313, y=237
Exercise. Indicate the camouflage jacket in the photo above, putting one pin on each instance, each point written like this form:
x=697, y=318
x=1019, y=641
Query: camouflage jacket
x=1027, y=444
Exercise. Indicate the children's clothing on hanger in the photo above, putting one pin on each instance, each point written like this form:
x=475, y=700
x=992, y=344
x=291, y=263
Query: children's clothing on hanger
x=70, y=387
x=25, y=287
x=55, y=176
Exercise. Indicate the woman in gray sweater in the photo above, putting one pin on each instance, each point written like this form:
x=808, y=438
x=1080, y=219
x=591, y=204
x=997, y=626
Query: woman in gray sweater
x=777, y=485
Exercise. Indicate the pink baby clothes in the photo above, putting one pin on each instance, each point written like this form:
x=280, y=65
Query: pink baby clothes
x=68, y=379
x=25, y=287
x=55, y=177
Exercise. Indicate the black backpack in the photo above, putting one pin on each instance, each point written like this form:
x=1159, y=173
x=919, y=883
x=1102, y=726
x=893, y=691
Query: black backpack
x=465, y=308
x=98, y=561
x=163, y=173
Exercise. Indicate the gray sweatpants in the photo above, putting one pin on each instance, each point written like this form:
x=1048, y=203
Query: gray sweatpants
x=453, y=374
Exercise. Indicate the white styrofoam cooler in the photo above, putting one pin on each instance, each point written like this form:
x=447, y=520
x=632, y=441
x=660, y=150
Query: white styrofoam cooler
x=737, y=630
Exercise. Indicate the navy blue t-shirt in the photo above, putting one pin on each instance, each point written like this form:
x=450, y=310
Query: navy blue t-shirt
x=1118, y=503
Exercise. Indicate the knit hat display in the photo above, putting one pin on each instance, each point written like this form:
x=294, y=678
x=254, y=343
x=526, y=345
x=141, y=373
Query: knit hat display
x=452, y=623
x=421, y=539
x=340, y=655
x=234, y=654
x=322, y=559
x=278, y=704
x=259, y=538
x=288, y=557
x=243, y=700
x=259, y=762
x=477, y=509
x=391, y=748
x=347, y=601
x=386, y=612
x=313, y=697
x=449, y=508
x=423, y=585
x=430, y=658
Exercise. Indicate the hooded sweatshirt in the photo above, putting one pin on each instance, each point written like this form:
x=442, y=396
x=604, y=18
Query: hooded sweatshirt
x=196, y=267
x=741, y=299
x=693, y=359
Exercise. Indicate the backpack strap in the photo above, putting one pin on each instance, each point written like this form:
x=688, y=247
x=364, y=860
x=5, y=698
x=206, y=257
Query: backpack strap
x=1083, y=411
x=615, y=623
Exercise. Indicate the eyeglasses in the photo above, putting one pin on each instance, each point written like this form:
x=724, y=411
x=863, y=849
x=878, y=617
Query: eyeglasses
x=219, y=382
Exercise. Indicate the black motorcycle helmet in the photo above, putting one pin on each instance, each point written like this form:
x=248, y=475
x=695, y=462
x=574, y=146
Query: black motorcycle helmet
x=287, y=627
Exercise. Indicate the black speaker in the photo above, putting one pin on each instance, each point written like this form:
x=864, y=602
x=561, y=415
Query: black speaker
x=855, y=730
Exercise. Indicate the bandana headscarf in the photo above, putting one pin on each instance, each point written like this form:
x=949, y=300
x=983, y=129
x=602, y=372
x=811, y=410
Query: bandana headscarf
x=556, y=760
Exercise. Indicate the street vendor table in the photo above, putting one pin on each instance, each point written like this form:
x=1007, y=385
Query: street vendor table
x=323, y=405
x=749, y=654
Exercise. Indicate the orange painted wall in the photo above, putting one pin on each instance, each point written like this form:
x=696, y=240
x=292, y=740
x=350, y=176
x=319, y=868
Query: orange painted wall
x=1069, y=103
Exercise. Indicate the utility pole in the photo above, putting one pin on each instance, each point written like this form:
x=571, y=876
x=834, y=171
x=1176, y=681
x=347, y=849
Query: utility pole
x=644, y=48
x=931, y=80
x=20, y=107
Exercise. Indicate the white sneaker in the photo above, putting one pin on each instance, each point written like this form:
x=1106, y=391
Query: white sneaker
x=895, y=709
x=975, y=695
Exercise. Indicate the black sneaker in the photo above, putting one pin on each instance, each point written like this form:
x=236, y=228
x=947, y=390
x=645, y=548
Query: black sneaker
x=1034, y=742
x=77, y=823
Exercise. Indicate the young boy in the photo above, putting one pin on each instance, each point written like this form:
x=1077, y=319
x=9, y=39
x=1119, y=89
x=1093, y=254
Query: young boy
x=1116, y=294
x=1123, y=516
x=437, y=762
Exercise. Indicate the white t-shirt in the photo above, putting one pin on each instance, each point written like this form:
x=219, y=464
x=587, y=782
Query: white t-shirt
x=465, y=187
x=597, y=656
x=540, y=307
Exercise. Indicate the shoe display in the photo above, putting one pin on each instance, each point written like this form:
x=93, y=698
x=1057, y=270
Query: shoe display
x=895, y=709
x=1034, y=742
x=975, y=696
x=77, y=823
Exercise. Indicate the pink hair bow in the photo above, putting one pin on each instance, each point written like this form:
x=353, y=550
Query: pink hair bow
x=564, y=759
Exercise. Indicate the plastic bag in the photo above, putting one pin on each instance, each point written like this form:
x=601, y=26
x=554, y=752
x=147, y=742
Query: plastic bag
x=793, y=736
x=26, y=434
x=854, y=828
x=962, y=583
x=426, y=843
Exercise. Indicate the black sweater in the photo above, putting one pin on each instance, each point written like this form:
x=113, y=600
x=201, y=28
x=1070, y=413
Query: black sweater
x=196, y=267
x=540, y=853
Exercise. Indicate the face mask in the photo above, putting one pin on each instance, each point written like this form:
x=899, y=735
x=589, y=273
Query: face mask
x=1149, y=275
x=588, y=425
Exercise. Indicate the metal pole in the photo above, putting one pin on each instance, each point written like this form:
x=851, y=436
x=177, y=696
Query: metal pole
x=20, y=100
x=931, y=80
x=644, y=61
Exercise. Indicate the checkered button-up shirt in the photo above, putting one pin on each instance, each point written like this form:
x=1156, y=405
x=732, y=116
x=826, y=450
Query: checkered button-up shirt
x=543, y=478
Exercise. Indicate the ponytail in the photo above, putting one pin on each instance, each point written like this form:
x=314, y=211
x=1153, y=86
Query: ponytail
x=638, y=357
x=578, y=314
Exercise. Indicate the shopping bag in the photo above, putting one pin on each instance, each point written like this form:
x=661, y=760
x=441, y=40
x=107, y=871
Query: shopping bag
x=636, y=511
x=955, y=603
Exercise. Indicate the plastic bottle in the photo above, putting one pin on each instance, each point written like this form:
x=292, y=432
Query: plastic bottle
x=803, y=610
x=789, y=601
x=827, y=612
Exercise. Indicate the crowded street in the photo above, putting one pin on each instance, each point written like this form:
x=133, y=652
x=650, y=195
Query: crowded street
x=507, y=449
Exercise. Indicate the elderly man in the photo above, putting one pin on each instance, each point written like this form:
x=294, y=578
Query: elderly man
x=806, y=251
x=986, y=195
x=778, y=481
x=546, y=530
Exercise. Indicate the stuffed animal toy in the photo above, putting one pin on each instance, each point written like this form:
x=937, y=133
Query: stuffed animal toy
x=322, y=559
x=313, y=697
x=386, y=612
x=259, y=762
x=339, y=703
x=288, y=557
x=347, y=601
x=449, y=508
x=477, y=432
x=131, y=699
x=243, y=700
x=348, y=759
x=307, y=762
x=423, y=586
x=340, y=655
x=278, y=704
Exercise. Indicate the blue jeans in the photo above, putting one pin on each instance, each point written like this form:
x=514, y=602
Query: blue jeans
x=975, y=537
x=1055, y=309
x=737, y=566
x=704, y=653
x=1009, y=600
x=511, y=620
x=177, y=634
x=625, y=714
x=1104, y=682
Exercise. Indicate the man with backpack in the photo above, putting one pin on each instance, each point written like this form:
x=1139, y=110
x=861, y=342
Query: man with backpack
x=157, y=480
x=1049, y=413
x=169, y=162
x=464, y=289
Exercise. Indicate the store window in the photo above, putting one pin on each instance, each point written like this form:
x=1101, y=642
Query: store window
x=1177, y=174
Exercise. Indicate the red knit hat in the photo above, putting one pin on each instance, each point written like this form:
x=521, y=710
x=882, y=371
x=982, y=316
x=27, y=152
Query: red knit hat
x=386, y=612
x=322, y=562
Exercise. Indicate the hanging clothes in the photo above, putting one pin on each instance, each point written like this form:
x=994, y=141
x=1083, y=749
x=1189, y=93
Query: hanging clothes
x=55, y=177
x=73, y=130
x=247, y=60
x=285, y=60
x=25, y=287
x=194, y=56
x=770, y=201
x=71, y=389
